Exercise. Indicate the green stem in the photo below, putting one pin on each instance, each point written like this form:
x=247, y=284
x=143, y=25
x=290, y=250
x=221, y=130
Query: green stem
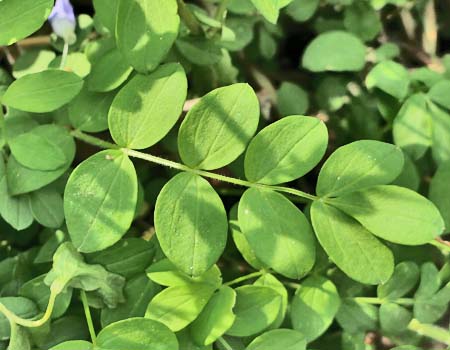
x=171, y=164
x=189, y=18
x=12, y=317
x=379, y=301
x=87, y=312
x=64, y=55
x=222, y=11
x=430, y=331
x=224, y=343
x=93, y=140
x=245, y=278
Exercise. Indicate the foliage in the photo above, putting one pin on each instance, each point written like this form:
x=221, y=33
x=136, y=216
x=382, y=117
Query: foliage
x=224, y=174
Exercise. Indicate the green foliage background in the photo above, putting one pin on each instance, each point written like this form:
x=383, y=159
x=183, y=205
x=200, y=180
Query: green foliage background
x=225, y=174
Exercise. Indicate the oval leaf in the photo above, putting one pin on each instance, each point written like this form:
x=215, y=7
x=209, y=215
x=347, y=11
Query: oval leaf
x=146, y=30
x=394, y=213
x=100, y=200
x=137, y=334
x=43, y=92
x=216, y=318
x=358, y=165
x=161, y=96
x=286, y=150
x=256, y=309
x=278, y=232
x=191, y=223
x=217, y=129
x=178, y=306
x=286, y=339
x=18, y=19
x=336, y=51
x=440, y=192
x=351, y=247
x=314, y=306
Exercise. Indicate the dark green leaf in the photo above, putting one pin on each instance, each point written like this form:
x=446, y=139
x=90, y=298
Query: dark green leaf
x=402, y=281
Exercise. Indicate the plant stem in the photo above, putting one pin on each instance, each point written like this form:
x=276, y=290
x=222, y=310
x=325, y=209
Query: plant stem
x=65, y=52
x=87, y=312
x=430, y=331
x=245, y=278
x=95, y=141
x=12, y=317
x=222, y=11
x=224, y=343
x=171, y=164
x=378, y=301
x=189, y=18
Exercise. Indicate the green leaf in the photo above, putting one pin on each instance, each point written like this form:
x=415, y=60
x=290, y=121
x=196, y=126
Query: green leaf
x=286, y=339
x=403, y=280
x=18, y=19
x=37, y=150
x=137, y=334
x=218, y=128
x=394, y=213
x=199, y=51
x=361, y=19
x=36, y=290
x=256, y=309
x=438, y=93
x=106, y=12
x=128, y=257
x=20, y=306
x=43, y=92
x=22, y=179
x=186, y=342
x=70, y=270
x=336, y=51
x=241, y=241
x=350, y=246
x=14, y=210
x=441, y=134
x=270, y=281
x=191, y=223
x=47, y=207
x=145, y=31
x=216, y=318
x=99, y=200
x=161, y=96
x=286, y=150
x=430, y=281
x=89, y=110
x=76, y=62
x=413, y=126
x=394, y=318
x=431, y=308
x=359, y=165
x=356, y=317
x=165, y=273
x=33, y=61
x=409, y=177
x=270, y=9
x=302, y=10
x=277, y=232
x=292, y=99
x=390, y=77
x=178, y=306
x=314, y=306
x=73, y=345
x=109, y=72
x=138, y=292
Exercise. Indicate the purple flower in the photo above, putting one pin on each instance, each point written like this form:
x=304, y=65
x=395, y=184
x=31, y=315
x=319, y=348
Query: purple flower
x=62, y=20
